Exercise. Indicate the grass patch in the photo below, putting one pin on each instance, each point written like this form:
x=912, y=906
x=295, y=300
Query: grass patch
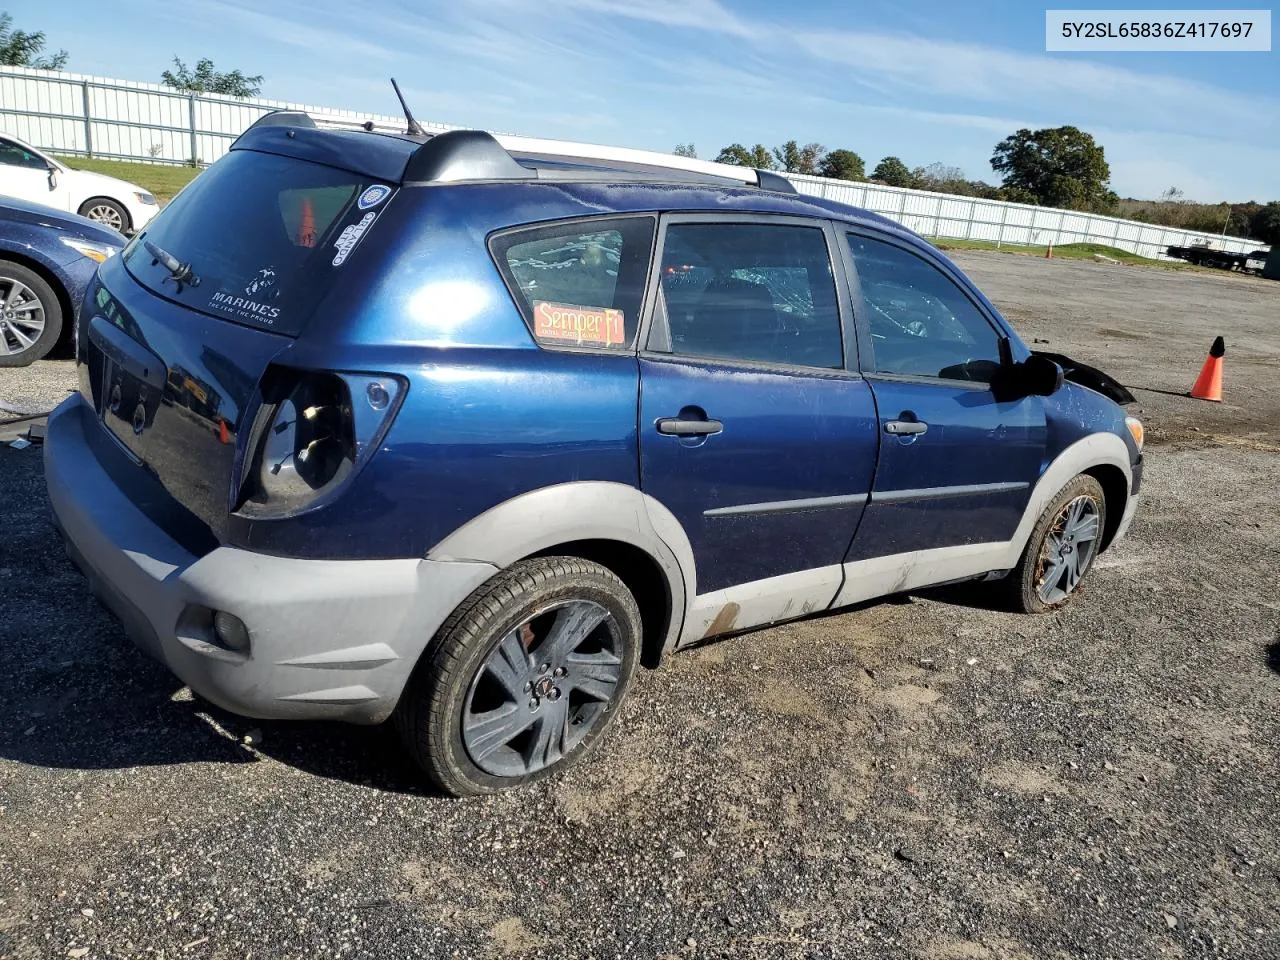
x=1068, y=251
x=162, y=180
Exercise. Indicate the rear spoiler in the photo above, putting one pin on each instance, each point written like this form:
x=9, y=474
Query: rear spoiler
x=478, y=155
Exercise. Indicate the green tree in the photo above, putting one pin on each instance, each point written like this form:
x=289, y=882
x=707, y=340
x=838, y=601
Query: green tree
x=1061, y=166
x=794, y=158
x=1207, y=218
x=21, y=49
x=893, y=172
x=205, y=79
x=1017, y=195
x=1265, y=224
x=686, y=150
x=758, y=157
x=843, y=165
x=1242, y=215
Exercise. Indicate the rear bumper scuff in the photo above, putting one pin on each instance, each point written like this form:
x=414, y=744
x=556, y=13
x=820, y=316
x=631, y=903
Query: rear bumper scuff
x=331, y=639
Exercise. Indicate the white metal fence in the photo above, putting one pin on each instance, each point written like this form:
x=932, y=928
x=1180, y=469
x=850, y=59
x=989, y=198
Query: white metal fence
x=71, y=113
x=969, y=218
x=74, y=114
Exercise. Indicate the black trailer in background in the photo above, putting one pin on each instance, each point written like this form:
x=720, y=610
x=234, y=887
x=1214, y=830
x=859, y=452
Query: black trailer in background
x=1206, y=256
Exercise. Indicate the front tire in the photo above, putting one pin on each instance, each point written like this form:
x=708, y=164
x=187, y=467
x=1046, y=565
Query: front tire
x=30, y=316
x=107, y=212
x=1061, y=549
x=524, y=678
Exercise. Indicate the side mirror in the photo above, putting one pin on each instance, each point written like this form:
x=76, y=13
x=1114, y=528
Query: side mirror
x=1039, y=376
x=53, y=178
x=1035, y=376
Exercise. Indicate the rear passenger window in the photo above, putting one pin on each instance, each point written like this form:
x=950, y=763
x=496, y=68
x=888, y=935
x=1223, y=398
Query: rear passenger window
x=751, y=291
x=579, y=284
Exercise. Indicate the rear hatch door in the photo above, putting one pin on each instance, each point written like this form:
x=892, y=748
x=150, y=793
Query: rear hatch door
x=178, y=329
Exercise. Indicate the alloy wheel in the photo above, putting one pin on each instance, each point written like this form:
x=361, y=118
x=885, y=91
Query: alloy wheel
x=21, y=317
x=542, y=689
x=1068, y=550
x=106, y=215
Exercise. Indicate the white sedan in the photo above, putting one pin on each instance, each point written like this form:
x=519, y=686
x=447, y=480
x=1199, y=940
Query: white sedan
x=29, y=174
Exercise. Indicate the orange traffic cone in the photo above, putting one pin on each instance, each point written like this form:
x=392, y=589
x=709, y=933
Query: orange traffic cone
x=224, y=435
x=1048, y=253
x=1209, y=383
x=307, y=228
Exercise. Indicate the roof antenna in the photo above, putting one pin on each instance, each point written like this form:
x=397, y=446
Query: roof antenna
x=414, y=128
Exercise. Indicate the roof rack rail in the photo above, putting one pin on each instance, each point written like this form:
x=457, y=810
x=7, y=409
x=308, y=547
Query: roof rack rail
x=594, y=151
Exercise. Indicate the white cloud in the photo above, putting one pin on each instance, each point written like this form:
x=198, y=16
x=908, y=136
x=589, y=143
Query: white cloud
x=708, y=15
x=1209, y=171
x=992, y=75
x=287, y=31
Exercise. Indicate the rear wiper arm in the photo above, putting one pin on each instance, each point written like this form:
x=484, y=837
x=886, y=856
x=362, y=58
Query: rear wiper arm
x=179, y=272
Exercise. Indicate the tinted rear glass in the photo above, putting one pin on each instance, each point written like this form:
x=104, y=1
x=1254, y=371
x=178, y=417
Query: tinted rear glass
x=263, y=235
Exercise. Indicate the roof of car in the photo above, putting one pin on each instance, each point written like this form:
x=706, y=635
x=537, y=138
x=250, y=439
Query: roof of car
x=459, y=156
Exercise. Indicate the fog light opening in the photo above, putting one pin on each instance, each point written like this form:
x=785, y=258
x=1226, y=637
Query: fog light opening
x=231, y=631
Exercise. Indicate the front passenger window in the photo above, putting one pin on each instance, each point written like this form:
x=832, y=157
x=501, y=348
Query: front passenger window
x=921, y=323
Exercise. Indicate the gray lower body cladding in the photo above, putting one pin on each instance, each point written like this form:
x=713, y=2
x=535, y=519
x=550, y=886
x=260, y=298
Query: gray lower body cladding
x=328, y=639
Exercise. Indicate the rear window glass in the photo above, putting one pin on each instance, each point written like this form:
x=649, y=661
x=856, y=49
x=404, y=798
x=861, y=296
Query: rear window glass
x=579, y=284
x=263, y=235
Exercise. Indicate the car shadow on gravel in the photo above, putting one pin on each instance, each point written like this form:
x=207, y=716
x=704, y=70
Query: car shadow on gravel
x=156, y=723
x=75, y=694
x=79, y=717
x=972, y=594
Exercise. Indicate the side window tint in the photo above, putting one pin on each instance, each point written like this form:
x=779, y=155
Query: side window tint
x=921, y=322
x=751, y=291
x=579, y=284
x=12, y=155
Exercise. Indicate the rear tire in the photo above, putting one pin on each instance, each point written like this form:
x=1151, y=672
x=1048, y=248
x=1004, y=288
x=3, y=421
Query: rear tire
x=30, y=316
x=108, y=213
x=1060, y=551
x=524, y=677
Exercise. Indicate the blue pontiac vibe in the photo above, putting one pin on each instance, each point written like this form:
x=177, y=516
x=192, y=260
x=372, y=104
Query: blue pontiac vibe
x=456, y=434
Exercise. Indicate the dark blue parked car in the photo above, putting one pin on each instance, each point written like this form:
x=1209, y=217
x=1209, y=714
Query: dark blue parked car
x=374, y=426
x=47, y=258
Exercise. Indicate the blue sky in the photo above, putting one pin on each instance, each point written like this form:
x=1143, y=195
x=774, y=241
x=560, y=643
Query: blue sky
x=926, y=81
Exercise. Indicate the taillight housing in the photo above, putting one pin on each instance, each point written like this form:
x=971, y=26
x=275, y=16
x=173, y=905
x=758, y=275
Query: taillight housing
x=311, y=434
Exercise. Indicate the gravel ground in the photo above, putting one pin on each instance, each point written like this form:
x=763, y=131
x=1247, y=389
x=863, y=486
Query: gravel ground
x=923, y=778
x=37, y=388
x=1152, y=329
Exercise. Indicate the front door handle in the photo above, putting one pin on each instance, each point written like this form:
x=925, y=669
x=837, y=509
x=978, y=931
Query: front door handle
x=905, y=428
x=678, y=427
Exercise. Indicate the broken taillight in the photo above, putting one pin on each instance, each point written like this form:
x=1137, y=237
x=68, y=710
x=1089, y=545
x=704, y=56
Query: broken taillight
x=312, y=433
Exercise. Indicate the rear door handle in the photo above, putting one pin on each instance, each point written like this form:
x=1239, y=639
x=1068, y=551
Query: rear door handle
x=905, y=428
x=676, y=427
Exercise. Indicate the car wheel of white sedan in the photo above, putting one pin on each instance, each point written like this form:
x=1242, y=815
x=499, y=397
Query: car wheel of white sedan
x=106, y=212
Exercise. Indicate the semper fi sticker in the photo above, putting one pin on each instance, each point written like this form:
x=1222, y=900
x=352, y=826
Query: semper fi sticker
x=581, y=326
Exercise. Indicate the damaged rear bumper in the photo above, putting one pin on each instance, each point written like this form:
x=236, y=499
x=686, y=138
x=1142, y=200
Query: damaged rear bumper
x=331, y=639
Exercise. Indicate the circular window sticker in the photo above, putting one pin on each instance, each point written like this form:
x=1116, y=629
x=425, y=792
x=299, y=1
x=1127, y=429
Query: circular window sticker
x=374, y=195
